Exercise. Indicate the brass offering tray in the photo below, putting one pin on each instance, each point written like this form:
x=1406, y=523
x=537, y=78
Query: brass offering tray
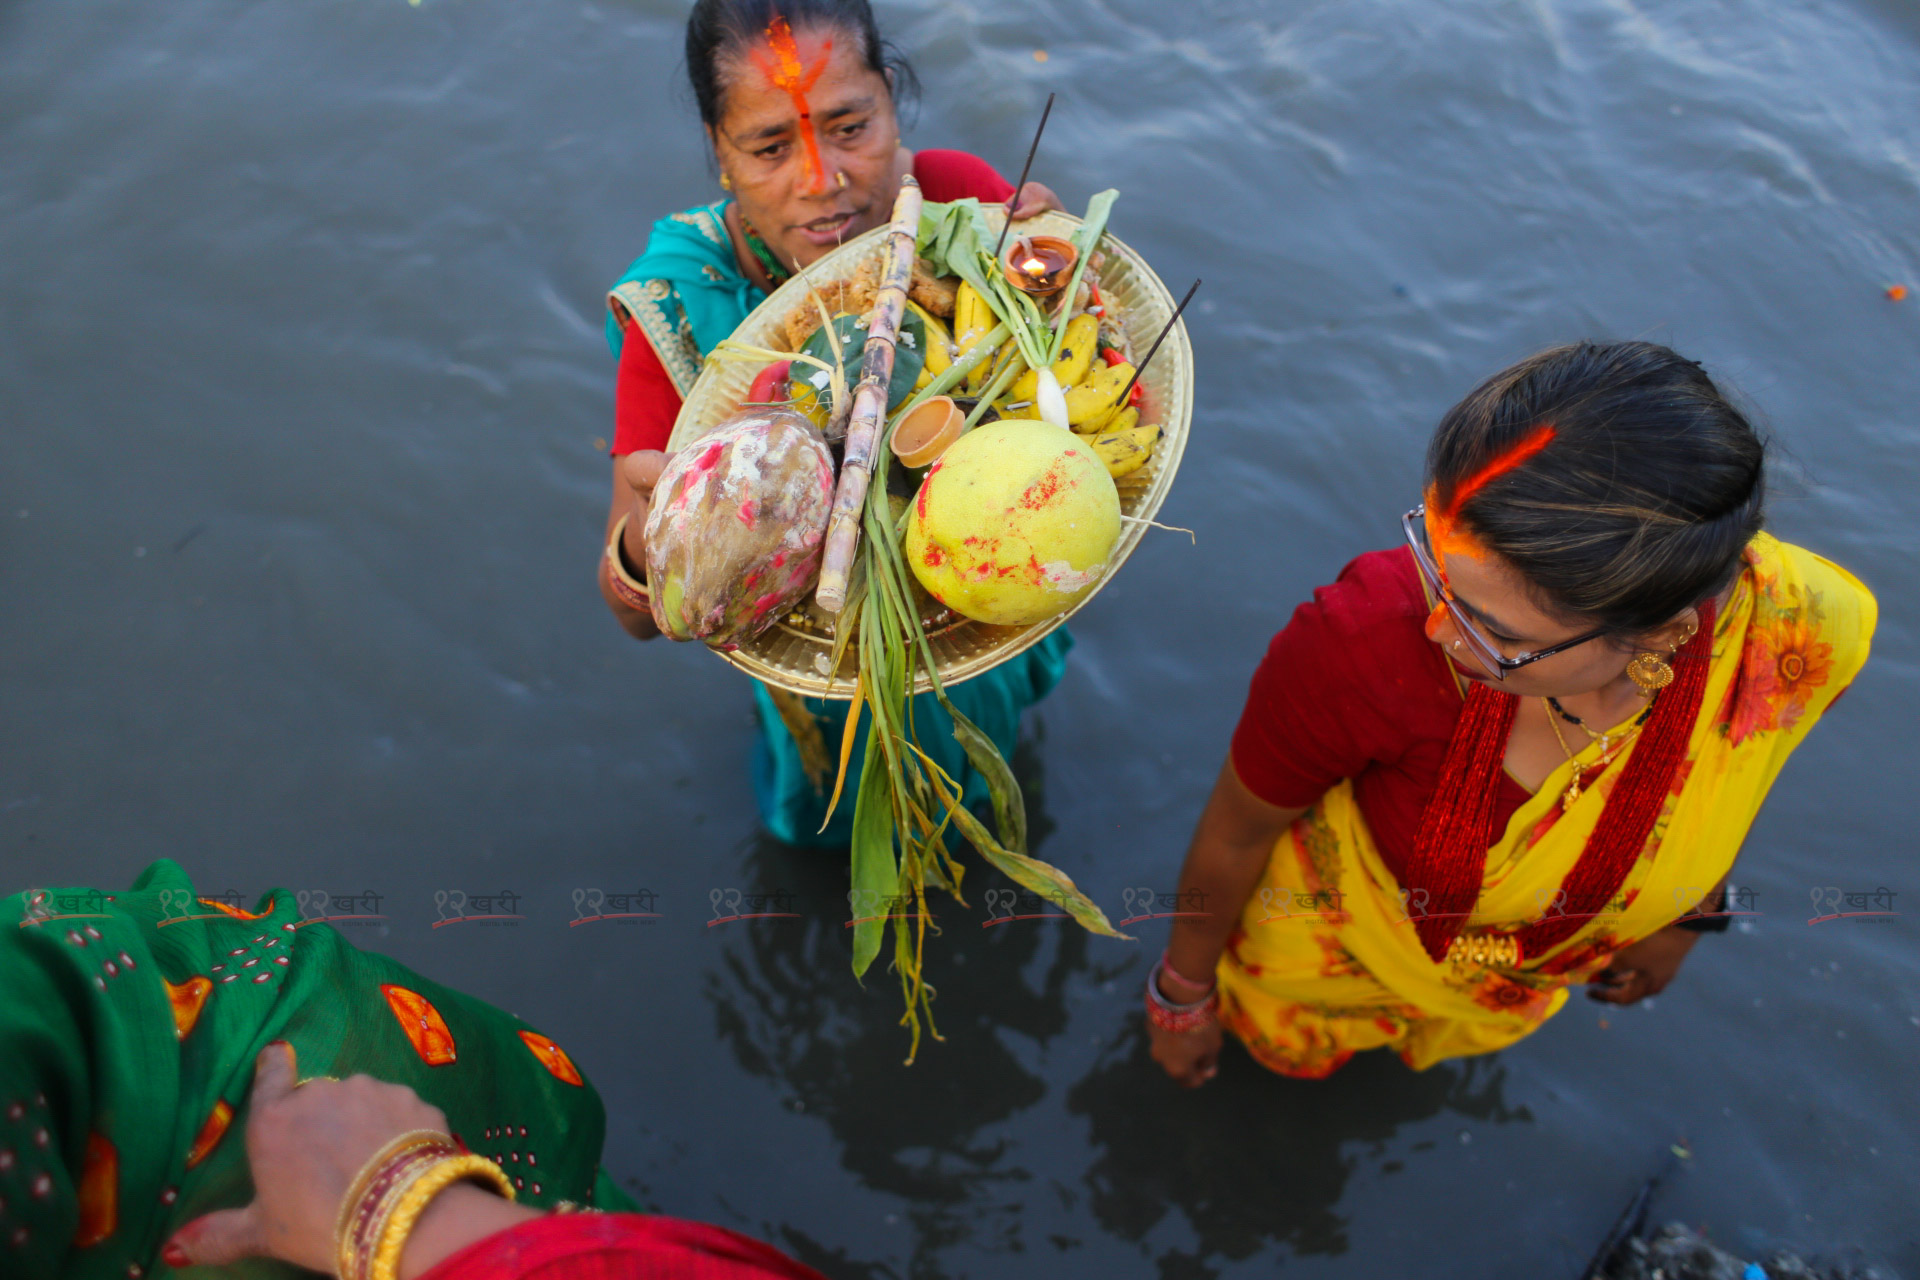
x=794, y=653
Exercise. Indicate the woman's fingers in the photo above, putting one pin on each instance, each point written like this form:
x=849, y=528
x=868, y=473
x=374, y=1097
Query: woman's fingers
x=1616, y=986
x=216, y=1239
x=1033, y=200
x=1189, y=1060
x=276, y=1073
x=641, y=470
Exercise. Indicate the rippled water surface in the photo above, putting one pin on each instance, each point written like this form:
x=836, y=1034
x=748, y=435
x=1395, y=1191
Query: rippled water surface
x=302, y=474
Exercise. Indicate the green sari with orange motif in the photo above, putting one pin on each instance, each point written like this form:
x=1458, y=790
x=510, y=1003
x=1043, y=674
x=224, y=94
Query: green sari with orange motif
x=129, y=1024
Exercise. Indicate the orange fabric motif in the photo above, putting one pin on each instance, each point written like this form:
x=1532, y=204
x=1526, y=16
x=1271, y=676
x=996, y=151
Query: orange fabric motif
x=236, y=912
x=187, y=999
x=99, y=1193
x=1781, y=668
x=426, y=1030
x=784, y=72
x=552, y=1057
x=210, y=1133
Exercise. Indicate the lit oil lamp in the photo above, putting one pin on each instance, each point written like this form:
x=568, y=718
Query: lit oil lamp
x=1040, y=265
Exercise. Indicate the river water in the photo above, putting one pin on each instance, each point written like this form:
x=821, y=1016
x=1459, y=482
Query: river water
x=303, y=470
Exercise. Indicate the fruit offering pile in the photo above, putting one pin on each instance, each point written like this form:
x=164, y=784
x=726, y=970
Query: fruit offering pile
x=934, y=437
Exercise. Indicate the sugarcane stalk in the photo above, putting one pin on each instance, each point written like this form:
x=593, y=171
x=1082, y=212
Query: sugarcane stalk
x=869, y=400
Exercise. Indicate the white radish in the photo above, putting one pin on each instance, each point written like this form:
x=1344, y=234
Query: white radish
x=1050, y=400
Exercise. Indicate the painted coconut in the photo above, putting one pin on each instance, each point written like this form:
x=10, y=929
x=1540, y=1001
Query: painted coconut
x=1014, y=524
x=735, y=527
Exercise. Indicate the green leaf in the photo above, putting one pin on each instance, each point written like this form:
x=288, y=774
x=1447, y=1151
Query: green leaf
x=1092, y=227
x=876, y=874
x=1042, y=878
x=1009, y=806
x=909, y=353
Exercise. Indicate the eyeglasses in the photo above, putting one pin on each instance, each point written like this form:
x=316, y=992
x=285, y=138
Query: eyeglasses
x=1414, y=525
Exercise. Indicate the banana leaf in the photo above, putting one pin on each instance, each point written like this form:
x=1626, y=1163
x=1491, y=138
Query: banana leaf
x=909, y=357
x=1009, y=806
x=876, y=875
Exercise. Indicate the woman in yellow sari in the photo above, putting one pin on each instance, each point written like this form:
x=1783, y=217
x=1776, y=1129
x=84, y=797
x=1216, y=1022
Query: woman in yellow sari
x=1520, y=751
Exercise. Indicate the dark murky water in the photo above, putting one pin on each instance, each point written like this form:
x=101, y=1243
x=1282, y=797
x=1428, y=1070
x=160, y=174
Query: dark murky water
x=301, y=480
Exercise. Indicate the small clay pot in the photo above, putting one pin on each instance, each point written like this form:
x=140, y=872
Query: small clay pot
x=924, y=434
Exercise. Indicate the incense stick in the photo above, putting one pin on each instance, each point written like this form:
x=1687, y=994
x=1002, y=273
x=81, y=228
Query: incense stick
x=1151, y=351
x=1024, y=171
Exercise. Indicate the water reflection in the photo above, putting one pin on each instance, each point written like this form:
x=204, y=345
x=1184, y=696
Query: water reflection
x=787, y=1005
x=1255, y=1159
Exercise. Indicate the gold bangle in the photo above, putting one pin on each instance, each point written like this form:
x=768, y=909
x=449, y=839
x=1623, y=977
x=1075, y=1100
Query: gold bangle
x=430, y=1182
x=633, y=593
x=357, y=1189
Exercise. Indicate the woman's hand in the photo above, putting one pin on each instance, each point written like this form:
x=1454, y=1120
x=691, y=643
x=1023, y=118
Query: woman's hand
x=1033, y=200
x=634, y=478
x=641, y=472
x=305, y=1143
x=1642, y=969
x=1191, y=1057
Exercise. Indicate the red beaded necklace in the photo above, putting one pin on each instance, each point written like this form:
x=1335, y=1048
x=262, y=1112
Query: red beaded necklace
x=1450, y=857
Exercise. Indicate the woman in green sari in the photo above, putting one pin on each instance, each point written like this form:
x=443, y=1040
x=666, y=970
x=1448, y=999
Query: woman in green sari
x=128, y=1035
x=154, y=1048
x=798, y=102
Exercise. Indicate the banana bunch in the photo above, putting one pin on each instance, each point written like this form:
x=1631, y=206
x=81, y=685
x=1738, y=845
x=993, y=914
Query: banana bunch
x=1114, y=429
x=939, y=353
x=1076, y=356
x=1126, y=449
x=972, y=320
x=1092, y=390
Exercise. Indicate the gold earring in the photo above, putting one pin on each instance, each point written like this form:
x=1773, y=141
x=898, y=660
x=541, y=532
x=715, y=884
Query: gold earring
x=726, y=181
x=1650, y=673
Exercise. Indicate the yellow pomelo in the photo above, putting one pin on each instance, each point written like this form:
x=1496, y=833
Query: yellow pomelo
x=1014, y=523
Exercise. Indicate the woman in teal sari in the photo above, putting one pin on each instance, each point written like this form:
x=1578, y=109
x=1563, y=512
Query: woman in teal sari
x=798, y=102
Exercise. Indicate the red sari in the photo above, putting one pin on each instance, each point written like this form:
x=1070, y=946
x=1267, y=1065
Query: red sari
x=619, y=1246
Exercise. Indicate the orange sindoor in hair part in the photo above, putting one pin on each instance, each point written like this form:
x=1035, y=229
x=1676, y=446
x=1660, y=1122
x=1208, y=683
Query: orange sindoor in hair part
x=1444, y=530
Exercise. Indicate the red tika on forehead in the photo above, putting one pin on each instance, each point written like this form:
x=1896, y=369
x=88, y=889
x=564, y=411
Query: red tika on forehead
x=1443, y=524
x=784, y=72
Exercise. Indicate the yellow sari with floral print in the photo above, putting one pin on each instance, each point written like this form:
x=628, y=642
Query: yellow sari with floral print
x=1326, y=960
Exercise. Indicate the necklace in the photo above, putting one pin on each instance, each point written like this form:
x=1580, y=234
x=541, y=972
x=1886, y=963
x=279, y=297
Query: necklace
x=758, y=247
x=1574, y=785
x=1601, y=738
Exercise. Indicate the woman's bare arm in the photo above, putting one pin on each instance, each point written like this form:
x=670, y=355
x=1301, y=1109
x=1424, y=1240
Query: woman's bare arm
x=1225, y=860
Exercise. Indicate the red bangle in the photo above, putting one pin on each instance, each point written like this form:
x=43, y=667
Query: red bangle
x=632, y=593
x=1204, y=989
x=1180, y=1019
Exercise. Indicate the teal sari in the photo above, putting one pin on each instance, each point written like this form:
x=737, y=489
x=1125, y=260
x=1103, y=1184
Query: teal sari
x=686, y=293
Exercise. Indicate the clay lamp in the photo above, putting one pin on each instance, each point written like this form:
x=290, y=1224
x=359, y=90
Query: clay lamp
x=924, y=434
x=1040, y=266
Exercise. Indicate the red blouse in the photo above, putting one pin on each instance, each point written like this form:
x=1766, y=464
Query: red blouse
x=1352, y=688
x=618, y=1246
x=645, y=402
